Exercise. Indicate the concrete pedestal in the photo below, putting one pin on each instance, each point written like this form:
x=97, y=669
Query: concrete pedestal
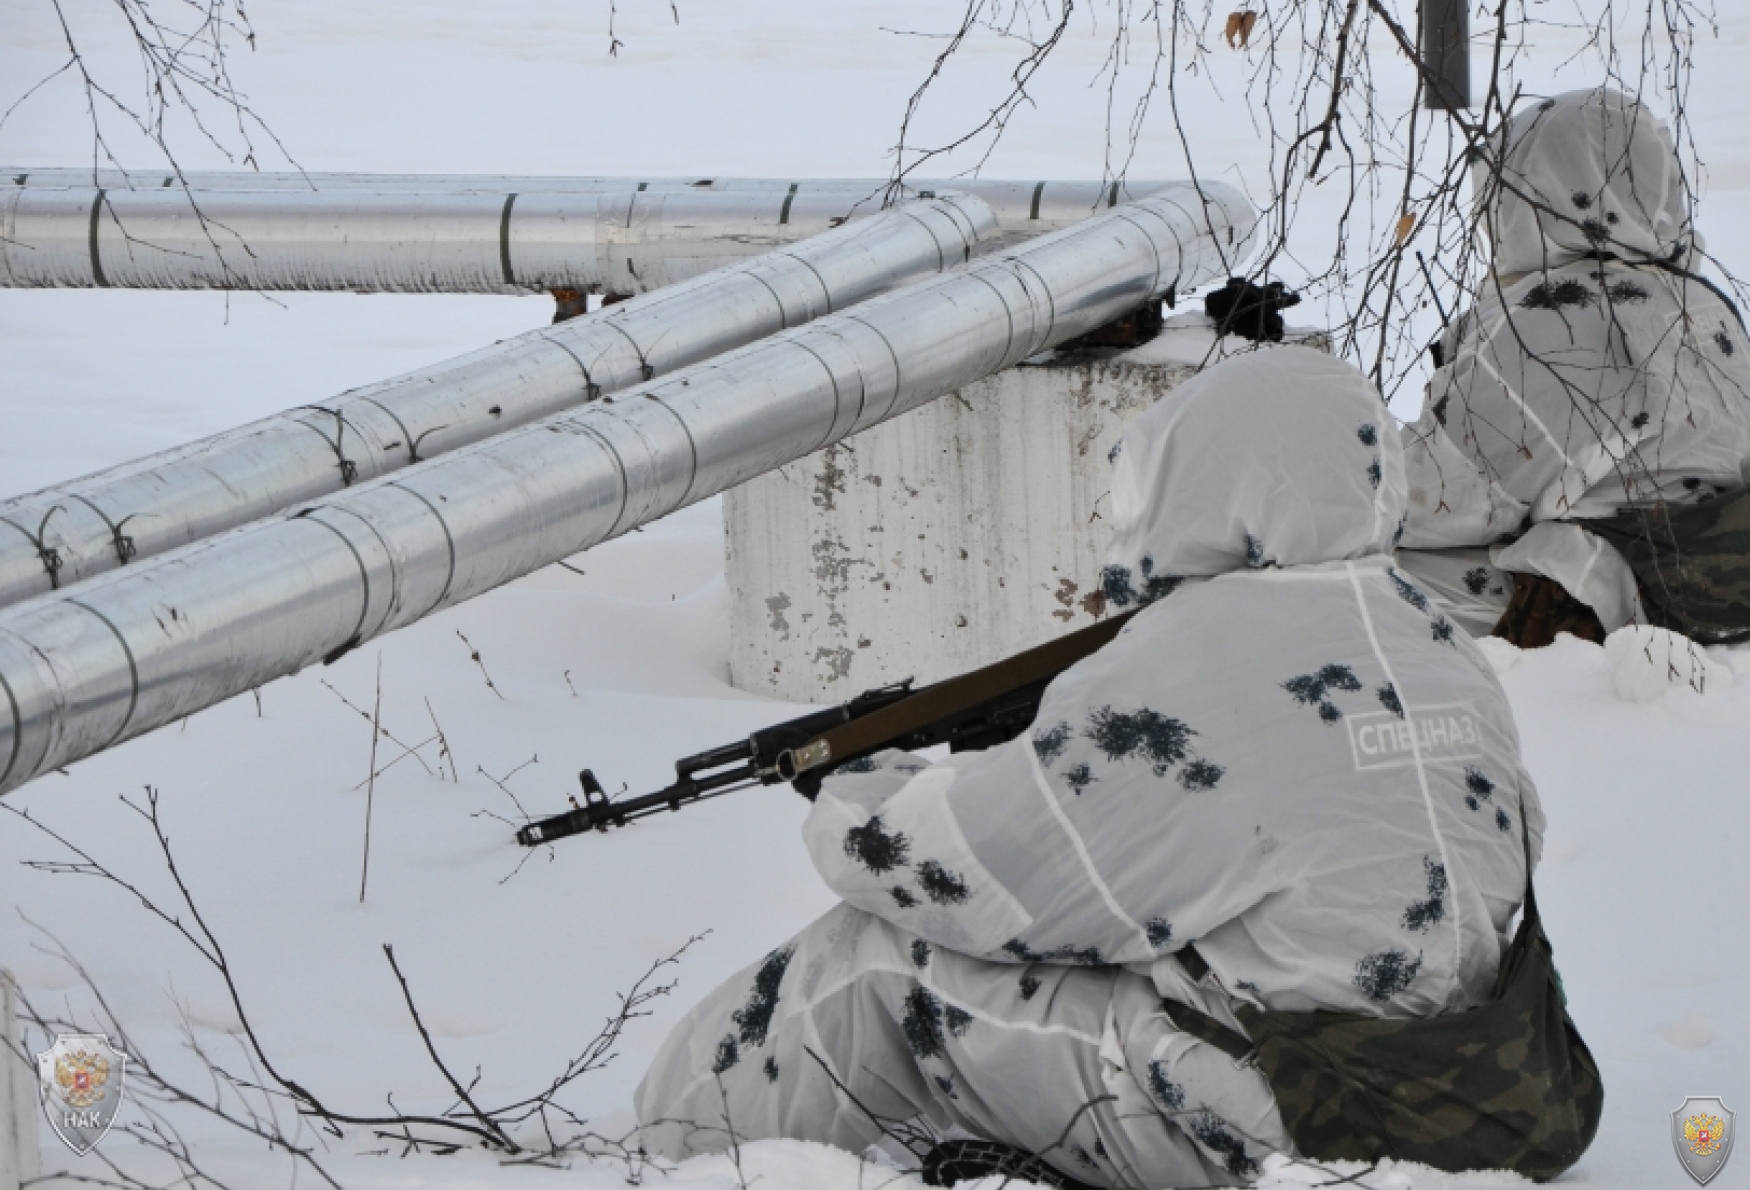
x=20, y=1117
x=938, y=542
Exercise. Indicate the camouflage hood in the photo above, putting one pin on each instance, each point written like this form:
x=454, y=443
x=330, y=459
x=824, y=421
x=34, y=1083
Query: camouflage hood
x=1584, y=379
x=1585, y=172
x=1284, y=457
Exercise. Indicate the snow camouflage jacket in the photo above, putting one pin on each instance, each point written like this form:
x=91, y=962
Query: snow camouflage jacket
x=1289, y=756
x=1590, y=375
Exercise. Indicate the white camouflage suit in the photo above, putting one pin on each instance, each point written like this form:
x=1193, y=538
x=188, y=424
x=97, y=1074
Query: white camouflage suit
x=1289, y=758
x=1588, y=377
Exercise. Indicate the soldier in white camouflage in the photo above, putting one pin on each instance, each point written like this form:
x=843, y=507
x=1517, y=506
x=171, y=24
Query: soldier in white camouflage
x=1600, y=373
x=1288, y=784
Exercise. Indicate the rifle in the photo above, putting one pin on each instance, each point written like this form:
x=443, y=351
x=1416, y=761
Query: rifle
x=971, y=712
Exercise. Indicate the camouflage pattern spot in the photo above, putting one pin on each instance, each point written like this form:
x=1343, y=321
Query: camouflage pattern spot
x=1049, y=745
x=1408, y=591
x=920, y=953
x=1120, y=591
x=1078, y=778
x=862, y=764
x=1476, y=580
x=1314, y=690
x=940, y=885
x=1479, y=787
x=1548, y=296
x=1627, y=293
x=728, y=1054
x=1201, y=775
x=770, y=1069
x=872, y=846
x=957, y=1019
x=1254, y=552
x=1424, y=915
x=1086, y=956
x=922, y=1023
x=1115, y=583
x=1029, y=985
x=1369, y=435
x=945, y=1084
x=1167, y=1093
x=1388, y=698
x=1374, y=474
x=903, y=897
x=755, y=1017
x=1156, y=738
x=1502, y=822
x=1213, y=1134
x=1160, y=932
x=1383, y=975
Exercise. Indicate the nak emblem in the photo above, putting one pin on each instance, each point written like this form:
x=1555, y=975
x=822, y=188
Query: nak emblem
x=81, y=1078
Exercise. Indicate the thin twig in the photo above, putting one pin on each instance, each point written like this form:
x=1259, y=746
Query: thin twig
x=474, y=654
x=371, y=781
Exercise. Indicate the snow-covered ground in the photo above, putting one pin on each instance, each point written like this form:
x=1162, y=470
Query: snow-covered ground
x=623, y=667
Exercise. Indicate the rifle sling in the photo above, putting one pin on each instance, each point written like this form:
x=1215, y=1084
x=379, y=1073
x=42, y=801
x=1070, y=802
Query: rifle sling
x=870, y=732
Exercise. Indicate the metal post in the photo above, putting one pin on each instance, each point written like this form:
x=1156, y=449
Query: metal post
x=1446, y=51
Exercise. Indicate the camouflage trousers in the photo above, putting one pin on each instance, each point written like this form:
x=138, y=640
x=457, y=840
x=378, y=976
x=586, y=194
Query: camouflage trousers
x=1692, y=562
x=856, y=1029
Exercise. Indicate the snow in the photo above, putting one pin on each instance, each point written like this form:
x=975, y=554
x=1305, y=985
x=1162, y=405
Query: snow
x=622, y=668
x=1189, y=338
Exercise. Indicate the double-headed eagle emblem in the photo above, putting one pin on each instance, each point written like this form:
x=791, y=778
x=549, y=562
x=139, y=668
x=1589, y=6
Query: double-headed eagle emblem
x=1702, y=1134
x=1701, y=1131
x=80, y=1077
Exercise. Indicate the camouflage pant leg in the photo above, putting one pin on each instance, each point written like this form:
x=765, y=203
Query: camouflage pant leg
x=1472, y=590
x=855, y=1018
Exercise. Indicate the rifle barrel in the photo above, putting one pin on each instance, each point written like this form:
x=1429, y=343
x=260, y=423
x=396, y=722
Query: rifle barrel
x=600, y=815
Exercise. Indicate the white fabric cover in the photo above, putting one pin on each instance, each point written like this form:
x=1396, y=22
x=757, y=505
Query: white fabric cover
x=1588, y=568
x=1296, y=763
x=1579, y=385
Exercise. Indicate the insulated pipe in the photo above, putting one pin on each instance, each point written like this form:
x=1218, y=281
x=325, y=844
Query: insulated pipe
x=599, y=236
x=141, y=647
x=249, y=181
x=54, y=538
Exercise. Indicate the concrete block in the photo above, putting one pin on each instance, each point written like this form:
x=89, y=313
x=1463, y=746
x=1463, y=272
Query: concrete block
x=943, y=540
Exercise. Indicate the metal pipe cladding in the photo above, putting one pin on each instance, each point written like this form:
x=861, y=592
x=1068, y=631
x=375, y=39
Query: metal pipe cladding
x=143, y=646
x=57, y=537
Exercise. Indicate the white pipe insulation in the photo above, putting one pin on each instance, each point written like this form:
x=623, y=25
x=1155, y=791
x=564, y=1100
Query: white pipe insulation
x=140, y=647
